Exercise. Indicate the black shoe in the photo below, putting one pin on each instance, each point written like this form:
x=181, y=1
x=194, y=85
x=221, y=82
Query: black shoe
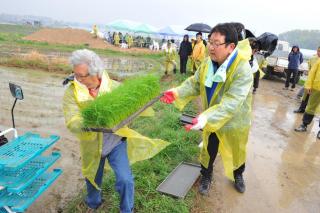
x=205, y=183
x=174, y=70
x=318, y=135
x=254, y=90
x=301, y=128
x=298, y=111
x=239, y=183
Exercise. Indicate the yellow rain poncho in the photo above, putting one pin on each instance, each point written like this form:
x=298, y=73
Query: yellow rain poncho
x=170, y=57
x=139, y=147
x=313, y=83
x=130, y=41
x=229, y=111
x=95, y=31
x=198, y=54
x=116, y=39
x=312, y=61
x=262, y=63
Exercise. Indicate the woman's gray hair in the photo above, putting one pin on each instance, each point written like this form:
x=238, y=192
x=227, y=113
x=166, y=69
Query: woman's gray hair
x=90, y=58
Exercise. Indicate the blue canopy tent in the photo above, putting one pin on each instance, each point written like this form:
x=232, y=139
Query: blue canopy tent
x=123, y=25
x=167, y=31
x=145, y=28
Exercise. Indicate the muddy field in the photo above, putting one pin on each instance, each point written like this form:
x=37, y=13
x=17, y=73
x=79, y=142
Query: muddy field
x=283, y=166
x=282, y=169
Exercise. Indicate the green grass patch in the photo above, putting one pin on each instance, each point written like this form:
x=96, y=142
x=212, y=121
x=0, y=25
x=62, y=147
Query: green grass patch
x=18, y=29
x=36, y=63
x=110, y=109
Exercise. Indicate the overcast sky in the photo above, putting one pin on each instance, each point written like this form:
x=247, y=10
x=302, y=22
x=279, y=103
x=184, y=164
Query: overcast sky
x=274, y=16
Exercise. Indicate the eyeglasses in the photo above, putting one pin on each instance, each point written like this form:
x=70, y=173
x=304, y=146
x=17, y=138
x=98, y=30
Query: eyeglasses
x=215, y=45
x=81, y=76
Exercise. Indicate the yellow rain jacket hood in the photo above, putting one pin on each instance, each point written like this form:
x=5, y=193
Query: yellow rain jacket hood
x=229, y=111
x=139, y=147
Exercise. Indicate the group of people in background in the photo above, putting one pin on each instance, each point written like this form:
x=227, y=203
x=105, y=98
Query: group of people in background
x=118, y=38
x=310, y=104
x=194, y=50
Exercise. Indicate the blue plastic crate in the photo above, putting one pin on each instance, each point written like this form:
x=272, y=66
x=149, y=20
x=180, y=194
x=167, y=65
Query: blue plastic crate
x=2, y=210
x=19, y=202
x=17, y=180
x=18, y=152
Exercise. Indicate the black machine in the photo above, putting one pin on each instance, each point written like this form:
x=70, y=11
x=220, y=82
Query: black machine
x=17, y=93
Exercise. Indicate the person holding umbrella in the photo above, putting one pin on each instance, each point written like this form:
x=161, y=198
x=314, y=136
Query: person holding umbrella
x=185, y=51
x=198, y=53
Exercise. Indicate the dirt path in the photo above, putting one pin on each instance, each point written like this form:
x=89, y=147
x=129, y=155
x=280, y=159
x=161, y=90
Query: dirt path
x=283, y=167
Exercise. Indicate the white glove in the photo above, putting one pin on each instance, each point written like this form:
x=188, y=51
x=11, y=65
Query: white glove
x=201, y=122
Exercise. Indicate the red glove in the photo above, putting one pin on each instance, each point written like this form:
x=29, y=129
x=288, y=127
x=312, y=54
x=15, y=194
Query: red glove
x=189, y=126
x=168, y=97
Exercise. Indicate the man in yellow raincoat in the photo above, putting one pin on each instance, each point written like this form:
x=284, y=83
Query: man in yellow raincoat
x=312, y=88
x=116, y=39
x=129, y=40
x=90, y=80
x=198, y=52
x=305, y=96
x=170, y=58
x=223, y=82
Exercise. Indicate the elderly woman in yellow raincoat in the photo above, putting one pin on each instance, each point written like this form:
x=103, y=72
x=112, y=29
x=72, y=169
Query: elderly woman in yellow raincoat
x=223, y=82
x=124, y=146
x=170, y=57
x=312, y=88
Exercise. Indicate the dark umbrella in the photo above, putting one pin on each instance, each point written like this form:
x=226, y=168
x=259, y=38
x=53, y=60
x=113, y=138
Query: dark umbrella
x=268, y=42
x=249, y=34
x=199, y=27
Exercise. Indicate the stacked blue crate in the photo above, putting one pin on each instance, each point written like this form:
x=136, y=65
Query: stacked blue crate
x=23, y=170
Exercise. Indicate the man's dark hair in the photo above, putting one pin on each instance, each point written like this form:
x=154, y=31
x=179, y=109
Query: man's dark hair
x=227, y=30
